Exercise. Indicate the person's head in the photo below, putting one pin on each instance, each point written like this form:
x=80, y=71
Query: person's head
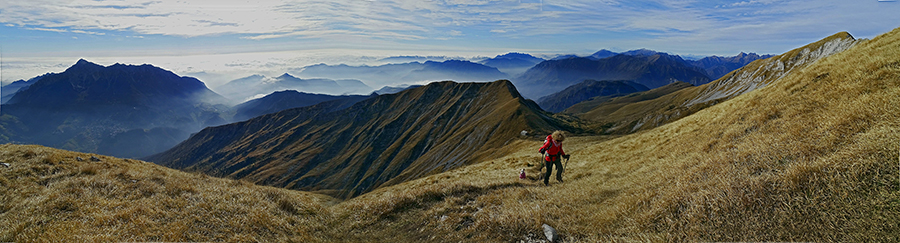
x=558, y=135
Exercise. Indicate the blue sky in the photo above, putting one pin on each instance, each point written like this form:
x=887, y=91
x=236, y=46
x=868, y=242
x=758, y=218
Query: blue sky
x=236, y=37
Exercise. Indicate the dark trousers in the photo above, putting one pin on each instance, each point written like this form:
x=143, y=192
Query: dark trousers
x=559, y=169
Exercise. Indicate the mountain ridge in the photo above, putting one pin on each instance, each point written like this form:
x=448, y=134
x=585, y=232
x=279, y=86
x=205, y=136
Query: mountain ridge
x=652, y=71
x=283, y=100
x=412, y=72
x=588, y=89
x=257, y=86
x=372, y=143
x=648, y=114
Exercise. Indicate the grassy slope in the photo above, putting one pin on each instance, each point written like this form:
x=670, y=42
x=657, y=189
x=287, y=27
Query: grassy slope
x=812, y=157
x=48, y=195
x=622, y=116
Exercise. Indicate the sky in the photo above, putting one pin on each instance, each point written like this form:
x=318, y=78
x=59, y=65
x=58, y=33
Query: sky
x=226, y=39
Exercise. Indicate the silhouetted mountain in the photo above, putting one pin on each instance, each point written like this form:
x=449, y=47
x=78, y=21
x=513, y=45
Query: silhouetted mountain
x=652, y=71
x=256, y=86
x=283, y=100
x=646, y=52
x=7, y=92
x=602, y=54
x=88, y=106
x=561, y=100
x=716, y=66
x=88, y=84
x=512, y=63
x=413, y=72
x=379, y=141
x=455, y=70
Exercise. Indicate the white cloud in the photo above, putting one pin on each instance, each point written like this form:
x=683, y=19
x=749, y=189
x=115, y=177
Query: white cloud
x=262, y=19
x=685, y=26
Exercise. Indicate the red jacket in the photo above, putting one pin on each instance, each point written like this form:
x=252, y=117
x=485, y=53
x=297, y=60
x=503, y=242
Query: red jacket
x=553, y=148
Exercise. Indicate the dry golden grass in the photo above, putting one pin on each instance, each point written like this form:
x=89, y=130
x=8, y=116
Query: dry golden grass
x=651, y=109
x=48, y=195
x=813, y=157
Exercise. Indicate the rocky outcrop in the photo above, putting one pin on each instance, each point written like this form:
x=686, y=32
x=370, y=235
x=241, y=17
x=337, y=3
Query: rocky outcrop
x=763, y=72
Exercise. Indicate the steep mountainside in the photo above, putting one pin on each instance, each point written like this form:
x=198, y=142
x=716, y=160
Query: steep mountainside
x=653, y=71
x=256, y=86
x=761, y=73
x=652, y=113
x=7, y=91
x=604, y=105
x=588, y=89
x=88, y=106
x=283, y=100
x=379, y=141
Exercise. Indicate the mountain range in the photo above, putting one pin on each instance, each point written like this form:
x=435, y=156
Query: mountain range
x=626, y=115
x=376, y=142
x=283, y=100
x=87, y=106
x=652, y=71
x=256, y=86
x=588, y=89
x=412, y=72
x=512, y=63
x=717, y=66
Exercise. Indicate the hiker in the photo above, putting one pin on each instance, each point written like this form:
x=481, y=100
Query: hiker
x=552, y=151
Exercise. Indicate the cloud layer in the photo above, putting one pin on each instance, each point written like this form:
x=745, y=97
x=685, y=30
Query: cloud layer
x=445, y=19
x=423, y=27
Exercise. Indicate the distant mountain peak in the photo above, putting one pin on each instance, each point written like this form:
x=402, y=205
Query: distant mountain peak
x=644, y=52
x=84, y=64
x=286, y=75
x=516, y=55
x=603, y=53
